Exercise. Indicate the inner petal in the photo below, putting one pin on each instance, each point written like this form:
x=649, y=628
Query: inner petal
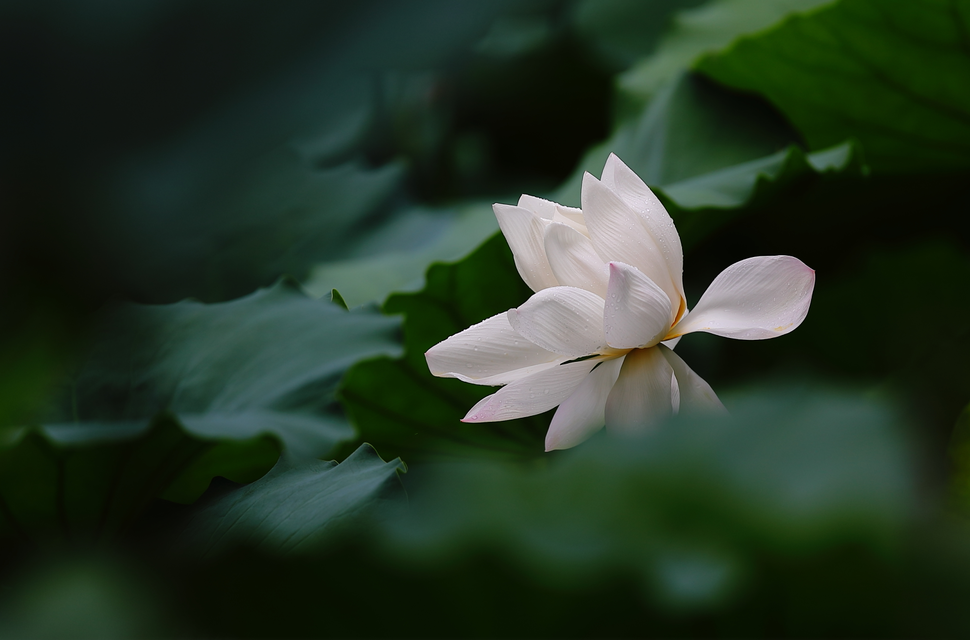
x=618, y=235
x=654, y=217
x=523, y=231
x=637, y=312
x=573, y=260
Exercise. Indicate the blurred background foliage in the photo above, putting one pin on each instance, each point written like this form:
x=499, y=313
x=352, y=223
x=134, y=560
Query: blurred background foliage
x=198, y=438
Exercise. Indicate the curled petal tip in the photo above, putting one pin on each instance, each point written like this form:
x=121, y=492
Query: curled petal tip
x=549, y=444
x=478, y=416
x=553, y=444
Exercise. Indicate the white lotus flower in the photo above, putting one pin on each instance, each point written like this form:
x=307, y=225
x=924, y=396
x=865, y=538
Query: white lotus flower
x=596, y=339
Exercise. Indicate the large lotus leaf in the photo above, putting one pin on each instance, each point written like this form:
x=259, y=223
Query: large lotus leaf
x=622, y=31
x=171, y=396
x=704, y=203
x=788, y=180
x=266, y=363
x=400, y=408
x=295, y=507
x=710, y=27
x=711, y=155
x=89, y=481
x=692, y=127
x=395, y=257
x=887, y=72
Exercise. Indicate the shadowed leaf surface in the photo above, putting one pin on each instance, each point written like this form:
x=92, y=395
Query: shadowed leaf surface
x=266, y=363
x=890, y=73
x=90, y=482
x=170, y=396
x=295, y=507
x=709, y=27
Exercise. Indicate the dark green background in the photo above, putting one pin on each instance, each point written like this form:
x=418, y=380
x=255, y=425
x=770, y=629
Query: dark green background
x=197, y=438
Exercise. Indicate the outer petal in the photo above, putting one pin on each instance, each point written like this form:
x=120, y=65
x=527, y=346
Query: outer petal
x=509, y=376
x=634, y=191
x=574, y=261
x=583, y=413
x=523, y=231
x=754, y=299
x=490, y=352
x=565, y=320
x=618, y=235
x=642, y=393
x=531, y=395
x=637, y=312
x=696, y=396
